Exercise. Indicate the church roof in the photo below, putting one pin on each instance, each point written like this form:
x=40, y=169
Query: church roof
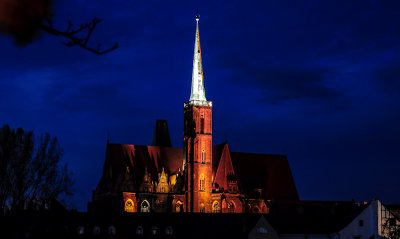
x=225, y=169
x=137, y=158
x=268, y=172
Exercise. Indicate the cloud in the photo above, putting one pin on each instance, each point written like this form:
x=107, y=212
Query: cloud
x=286, y=83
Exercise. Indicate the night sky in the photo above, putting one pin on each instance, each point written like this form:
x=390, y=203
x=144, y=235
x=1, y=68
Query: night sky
x=317, y=80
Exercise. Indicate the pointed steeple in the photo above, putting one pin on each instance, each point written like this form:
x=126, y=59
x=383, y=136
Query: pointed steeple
x=197, y=95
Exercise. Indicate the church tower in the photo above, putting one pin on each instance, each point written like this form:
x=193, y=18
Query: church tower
x=197, y=139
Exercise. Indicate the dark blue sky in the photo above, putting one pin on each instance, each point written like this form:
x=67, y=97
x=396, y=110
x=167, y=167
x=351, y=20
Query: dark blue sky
x=316, y=80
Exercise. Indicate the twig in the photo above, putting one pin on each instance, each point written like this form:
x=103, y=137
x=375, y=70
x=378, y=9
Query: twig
x=74, y=40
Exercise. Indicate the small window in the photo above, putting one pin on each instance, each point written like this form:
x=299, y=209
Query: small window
x=178, y=206
x=215, y=207
x=356, y=237
x=202, y=125
x=262, y=230
x=96, y=230
x=112, y=231
x=139, y=230
x=145, y=206
x=361, y=223
x=154, y=230
x=129, y=205
x=231, y=207
x=203, y=156
x=168, y=230
x=81, y=230
x=202, y=187
x=202, y=208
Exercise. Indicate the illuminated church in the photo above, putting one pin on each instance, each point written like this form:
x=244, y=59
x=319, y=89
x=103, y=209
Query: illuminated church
x=200, y=177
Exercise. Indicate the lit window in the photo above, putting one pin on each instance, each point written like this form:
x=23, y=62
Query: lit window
x=202, y=182
x=215, y=207
x=231, y=207
x=178, y=206
x=202, y=208
x=145, y=206
x=129, y=205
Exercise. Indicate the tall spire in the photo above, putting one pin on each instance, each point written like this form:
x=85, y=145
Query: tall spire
x=197, y=95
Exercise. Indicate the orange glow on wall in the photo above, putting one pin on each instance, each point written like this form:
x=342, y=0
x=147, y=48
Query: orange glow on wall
x=129, y=202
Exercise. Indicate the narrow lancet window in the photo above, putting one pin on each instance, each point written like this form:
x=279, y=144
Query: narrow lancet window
x=202, y=182
x=202, y=125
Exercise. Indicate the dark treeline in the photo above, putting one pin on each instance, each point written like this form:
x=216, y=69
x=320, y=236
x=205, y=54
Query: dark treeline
x=31, y=173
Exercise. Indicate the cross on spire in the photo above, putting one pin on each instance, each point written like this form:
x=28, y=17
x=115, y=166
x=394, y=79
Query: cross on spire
x=197, y=95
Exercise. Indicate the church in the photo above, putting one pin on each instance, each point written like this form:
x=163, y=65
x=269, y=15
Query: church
x=198, y=178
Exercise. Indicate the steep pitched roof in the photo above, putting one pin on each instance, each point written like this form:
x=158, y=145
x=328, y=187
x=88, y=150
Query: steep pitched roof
x=137, y=158
x=268, y=172
x=225, y=169
x=265, y=171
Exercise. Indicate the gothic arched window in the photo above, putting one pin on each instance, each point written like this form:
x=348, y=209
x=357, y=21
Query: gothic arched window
x=215, y=207
x=203, y=156
x=202, y=208
x=96, y=230
x=178, y=206
x=129, y=205
x=169, y=230
x=202, y=124
x=154, y=230
x=81, y=230
x=145, y=206
x=139, y=230
x=202, y=186
x=112, y=230
x=231, y=207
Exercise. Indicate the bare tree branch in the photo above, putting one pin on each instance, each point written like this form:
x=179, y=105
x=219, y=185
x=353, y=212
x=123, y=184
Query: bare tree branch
x=72, y=35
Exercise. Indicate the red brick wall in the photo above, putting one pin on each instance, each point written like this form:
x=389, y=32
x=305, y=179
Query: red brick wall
x=198, y=138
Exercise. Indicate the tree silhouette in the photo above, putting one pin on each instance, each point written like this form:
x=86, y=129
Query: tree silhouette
x=31, y=173
x=25, y=19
